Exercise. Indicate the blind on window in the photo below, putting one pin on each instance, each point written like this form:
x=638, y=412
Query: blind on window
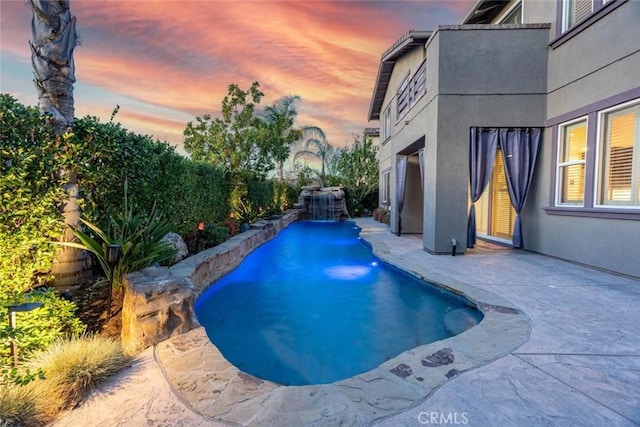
x=575, y=141
x=619, y=165
x=572, y=156
x=572, y=184
x=579, y=9
x=503, y=214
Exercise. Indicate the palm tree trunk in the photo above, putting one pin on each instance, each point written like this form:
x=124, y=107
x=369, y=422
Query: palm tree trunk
x=54, y=38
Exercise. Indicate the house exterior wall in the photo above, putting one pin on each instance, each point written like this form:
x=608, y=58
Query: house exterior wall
x=489, y=93
x=527, y=75
x=595, y=69
x=537, y=11
x=403, y=134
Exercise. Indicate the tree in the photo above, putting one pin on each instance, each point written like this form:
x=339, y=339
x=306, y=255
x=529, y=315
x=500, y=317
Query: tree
x=358, y=168
x=232, y=141
x=316, y=145
x=54, y=38
x=279, y=132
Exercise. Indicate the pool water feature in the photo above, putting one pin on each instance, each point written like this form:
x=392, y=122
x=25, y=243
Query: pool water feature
x=314, y=306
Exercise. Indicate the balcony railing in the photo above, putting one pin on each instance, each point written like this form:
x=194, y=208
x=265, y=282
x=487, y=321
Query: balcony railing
x=409, y=93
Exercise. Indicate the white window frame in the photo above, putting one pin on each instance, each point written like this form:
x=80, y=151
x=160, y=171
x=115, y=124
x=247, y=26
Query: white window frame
x=387, y=123
x=600, y=153
x=560, y=165
x=596, y=5
x=565, y=14
x=386, y=187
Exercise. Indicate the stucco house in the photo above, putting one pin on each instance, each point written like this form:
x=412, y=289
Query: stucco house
x=528, y=103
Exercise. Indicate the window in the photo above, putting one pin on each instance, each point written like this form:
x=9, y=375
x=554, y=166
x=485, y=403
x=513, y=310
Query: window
x=619, y=157
x=403, y=97
x=387, y=123
x=514, y=16
x=575, y=11
x=386, y=188
x=572, y=148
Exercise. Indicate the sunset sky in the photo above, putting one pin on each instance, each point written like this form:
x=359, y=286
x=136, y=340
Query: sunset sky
x=166, y=62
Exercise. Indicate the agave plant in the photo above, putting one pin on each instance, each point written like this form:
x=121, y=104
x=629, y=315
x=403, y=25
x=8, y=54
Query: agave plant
x=140, y=241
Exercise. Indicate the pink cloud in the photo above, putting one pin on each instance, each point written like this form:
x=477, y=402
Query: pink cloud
x=181, y=56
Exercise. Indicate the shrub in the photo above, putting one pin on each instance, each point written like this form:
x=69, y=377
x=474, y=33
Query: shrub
x=30, y=192
x=358, y=170
x=214, y=234
x=107, y=155
x=35, y=330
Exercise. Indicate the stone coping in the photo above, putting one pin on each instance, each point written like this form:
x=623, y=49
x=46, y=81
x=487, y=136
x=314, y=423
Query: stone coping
x=204, y=268
x=212, y=387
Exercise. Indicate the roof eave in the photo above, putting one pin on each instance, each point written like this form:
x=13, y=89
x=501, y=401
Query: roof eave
x=472, y=11
x=484, y=11
x=387, y=62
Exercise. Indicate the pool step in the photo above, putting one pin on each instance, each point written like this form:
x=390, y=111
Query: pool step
x=459, y=320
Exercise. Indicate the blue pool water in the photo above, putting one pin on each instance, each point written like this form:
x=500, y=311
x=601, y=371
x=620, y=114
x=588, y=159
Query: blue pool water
x=314, y=306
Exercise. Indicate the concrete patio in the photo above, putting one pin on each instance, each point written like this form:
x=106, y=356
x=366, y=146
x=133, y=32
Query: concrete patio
x=579, y=367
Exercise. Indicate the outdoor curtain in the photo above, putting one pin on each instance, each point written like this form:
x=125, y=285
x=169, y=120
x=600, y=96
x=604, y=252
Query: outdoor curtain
x=400, y=185
x=421, y=160
x=482, y=154
x=519, y=149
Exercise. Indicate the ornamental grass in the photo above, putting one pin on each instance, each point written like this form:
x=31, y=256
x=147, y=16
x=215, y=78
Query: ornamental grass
x=72, y=368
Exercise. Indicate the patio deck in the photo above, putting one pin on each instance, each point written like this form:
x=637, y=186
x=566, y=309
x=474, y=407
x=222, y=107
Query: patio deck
x=580, y=366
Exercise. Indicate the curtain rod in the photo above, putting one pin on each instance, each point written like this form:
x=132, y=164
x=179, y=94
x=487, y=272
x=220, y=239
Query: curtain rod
x=412, y=154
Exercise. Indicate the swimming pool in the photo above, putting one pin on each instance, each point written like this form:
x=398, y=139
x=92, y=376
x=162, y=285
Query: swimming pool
x=314, y=306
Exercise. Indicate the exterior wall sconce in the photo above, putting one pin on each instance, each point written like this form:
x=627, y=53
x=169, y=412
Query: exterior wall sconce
x=13, y=309
x=114, y=252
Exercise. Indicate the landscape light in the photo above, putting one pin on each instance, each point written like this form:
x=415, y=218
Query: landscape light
x=13, y=309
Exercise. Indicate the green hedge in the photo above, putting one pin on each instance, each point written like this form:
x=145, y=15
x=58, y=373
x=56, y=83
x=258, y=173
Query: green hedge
x=186, y=192
x=30, y=191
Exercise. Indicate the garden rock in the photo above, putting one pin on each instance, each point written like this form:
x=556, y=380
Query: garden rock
x=181, y=247
x=156, y=306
